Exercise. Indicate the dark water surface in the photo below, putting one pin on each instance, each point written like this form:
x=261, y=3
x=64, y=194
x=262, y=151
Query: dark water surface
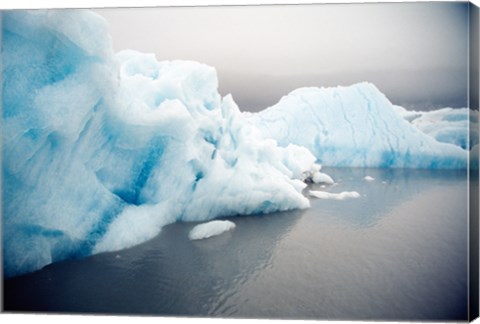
x=397, y=252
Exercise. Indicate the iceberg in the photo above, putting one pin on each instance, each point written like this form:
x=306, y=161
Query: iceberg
x=210, y=229
x=101, y=150
x=458, y=126
x=354, y=126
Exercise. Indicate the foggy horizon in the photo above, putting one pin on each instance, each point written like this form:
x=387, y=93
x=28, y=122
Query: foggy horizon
x=414, y=53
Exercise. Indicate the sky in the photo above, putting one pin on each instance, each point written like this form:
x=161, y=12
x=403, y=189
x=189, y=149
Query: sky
x=415, y=53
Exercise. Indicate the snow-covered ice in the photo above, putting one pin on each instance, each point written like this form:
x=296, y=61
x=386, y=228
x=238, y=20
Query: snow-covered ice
x=336, y=196
x=212, y=228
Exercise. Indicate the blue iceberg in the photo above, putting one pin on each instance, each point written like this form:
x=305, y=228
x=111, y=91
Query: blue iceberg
x=100, y=150
x=457, y=126
x=355, y=126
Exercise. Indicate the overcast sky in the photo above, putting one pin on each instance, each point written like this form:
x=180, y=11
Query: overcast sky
x=416, y=53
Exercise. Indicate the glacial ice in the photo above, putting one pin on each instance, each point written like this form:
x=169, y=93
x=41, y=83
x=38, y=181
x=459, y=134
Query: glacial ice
x=336, y=196
x=320, y=177
x=354, y=126
x=212, y=228
x=102, y=150
x=314, y=175
x=457, y=126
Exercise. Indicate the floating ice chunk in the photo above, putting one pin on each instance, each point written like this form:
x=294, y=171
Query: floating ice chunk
x=210, y=229
x=369, y=178
x=101, y=150
x=319, y=177
x=314, y=175
x=335, y=196
x=354, y=126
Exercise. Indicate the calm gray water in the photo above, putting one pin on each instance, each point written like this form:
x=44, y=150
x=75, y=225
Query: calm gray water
x=397, y=252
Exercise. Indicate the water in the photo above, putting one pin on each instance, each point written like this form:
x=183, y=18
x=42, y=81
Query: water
x=399, y=252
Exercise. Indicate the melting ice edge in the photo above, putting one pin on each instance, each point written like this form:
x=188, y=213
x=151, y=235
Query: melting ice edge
x=101, y=150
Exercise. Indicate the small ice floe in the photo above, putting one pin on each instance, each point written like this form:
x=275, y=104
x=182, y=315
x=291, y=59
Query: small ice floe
x=369, y=178
x=319, y=177
x=210, y=229
x=314, y=175
x=336, y=196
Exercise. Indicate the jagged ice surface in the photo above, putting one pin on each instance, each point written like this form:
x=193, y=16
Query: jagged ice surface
x=456, y=126
x=101, y=150
x=354, y=126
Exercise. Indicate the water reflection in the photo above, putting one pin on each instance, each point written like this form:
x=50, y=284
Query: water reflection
x=407, y=260
x=168, y=275
x=389, y=188
x=397, y=252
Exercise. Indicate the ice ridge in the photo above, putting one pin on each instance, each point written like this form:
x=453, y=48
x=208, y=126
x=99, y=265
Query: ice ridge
x=354, y=126
x=100, y=150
